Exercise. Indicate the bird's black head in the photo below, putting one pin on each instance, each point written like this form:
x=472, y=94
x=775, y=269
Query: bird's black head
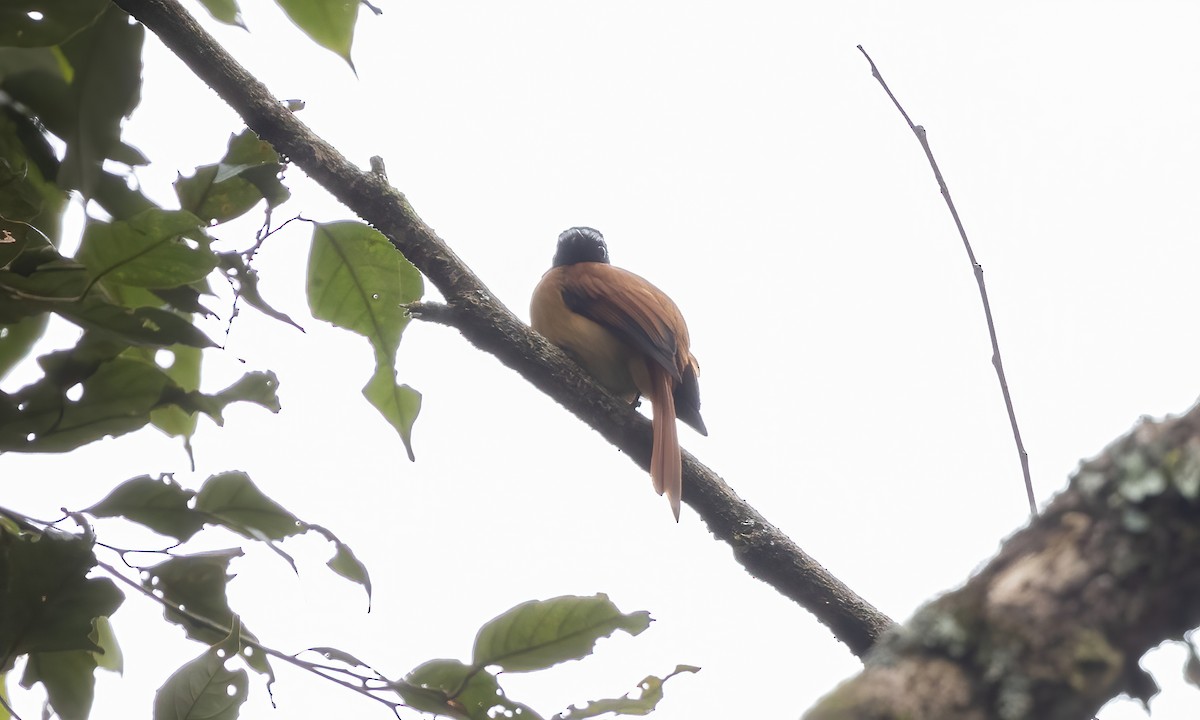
x=580, y=244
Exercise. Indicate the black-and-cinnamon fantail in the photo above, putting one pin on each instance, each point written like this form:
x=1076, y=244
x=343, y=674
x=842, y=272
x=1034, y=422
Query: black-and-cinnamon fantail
x=629, y=335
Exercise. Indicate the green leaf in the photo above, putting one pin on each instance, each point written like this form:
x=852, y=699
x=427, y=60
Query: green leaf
x=136, y=326
x=186, y=298
x=47, y=602
x=245, y=284
x=541, y=633
x=357, y=281
x=110, y=657
x=58, y=280
x=225, y=11
x=259, y=388
x=248, y=173
x=253, y=387
x=69, y=679
x=233, y=500
x=39, y=78
x=650, y=693
x=4, y=714
x=19, y=197
x=17, y=339
x=116, y=399
x=332, y=653
x=159, y=504
x=184, y=371
x=64, y=368
x=330, y=23
x=399, y=404
x=127, y=154
x=69, y=675
x=118, y=199
x=247, y=151
x=146, y=251
x=197, y=582
x=107, y=62
x=30, y=206
x=345, y=563
x=448, y=687
x=60, y=19
x=119, y=395
x=58, y=285
x=204, y=688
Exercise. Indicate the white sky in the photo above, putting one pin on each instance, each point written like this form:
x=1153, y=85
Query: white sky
x=745, y=161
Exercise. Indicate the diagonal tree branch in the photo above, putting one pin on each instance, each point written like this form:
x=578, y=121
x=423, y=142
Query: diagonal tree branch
x=759, y=546
x=1055, y=625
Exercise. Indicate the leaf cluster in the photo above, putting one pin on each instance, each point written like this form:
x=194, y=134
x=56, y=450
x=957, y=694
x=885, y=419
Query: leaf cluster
x=139, y=287
x=70, y=73
x=137, y=282
x=56, y=615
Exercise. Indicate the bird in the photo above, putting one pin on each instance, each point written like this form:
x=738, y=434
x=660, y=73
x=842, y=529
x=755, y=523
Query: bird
x=629, y=336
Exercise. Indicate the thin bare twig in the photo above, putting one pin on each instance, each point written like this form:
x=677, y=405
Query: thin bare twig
x=997, y=363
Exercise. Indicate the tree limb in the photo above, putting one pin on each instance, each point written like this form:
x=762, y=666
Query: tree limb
x=1054, y=626
x=759, y=546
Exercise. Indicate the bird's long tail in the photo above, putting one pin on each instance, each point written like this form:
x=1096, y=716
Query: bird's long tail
x=666, y=468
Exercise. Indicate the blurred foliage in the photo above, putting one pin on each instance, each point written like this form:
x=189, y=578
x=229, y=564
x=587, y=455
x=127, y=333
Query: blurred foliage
x=135, y=287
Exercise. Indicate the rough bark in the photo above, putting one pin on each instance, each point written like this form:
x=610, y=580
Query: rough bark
x=1054, y=626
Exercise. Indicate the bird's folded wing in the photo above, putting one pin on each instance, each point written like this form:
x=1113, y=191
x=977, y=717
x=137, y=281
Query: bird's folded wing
x=632, y=309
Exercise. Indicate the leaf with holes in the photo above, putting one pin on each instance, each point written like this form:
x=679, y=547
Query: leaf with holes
x=184, y=372
x=448, y=687
x=245, y=283
x=259, y=388
x=204, y=688
x=117, y=398
x=233, y=500
x=158, y=503
x=650, y=693
x=538, y=634
x=197, y=583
